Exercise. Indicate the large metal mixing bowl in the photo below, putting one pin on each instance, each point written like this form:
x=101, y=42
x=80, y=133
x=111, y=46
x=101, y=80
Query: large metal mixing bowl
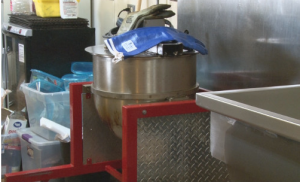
x=140, y=79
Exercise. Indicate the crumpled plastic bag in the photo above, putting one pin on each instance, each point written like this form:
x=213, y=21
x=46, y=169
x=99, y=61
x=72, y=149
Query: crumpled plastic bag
x=139, y=40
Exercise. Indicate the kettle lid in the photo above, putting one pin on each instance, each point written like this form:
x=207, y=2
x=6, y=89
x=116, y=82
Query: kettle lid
x=99, y=50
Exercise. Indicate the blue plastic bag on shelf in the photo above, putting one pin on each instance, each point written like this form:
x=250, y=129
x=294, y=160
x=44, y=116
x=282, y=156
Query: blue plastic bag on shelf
x=139, y=40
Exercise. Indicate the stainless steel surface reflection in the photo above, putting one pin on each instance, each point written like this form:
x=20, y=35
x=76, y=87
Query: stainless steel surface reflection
x=269, y=157
x=99, y=143
x=139, y=79
x=142, y=74
x=250, y=43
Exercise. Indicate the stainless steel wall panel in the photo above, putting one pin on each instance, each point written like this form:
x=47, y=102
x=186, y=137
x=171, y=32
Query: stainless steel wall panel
x=251, y=43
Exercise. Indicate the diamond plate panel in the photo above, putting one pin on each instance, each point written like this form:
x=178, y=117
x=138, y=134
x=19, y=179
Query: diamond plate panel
x=176, y=148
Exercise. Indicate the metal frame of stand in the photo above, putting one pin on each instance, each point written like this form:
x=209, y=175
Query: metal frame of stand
x=128, y=164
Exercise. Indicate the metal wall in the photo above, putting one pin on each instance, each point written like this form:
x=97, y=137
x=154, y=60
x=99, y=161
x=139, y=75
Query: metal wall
x=251, y=43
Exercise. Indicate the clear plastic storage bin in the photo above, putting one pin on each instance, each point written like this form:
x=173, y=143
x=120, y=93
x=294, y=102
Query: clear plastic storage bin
x=82, y=68
x=38, y=152
x=73, y=78
x=44, y=86
x=21, y=7
x=53, y=106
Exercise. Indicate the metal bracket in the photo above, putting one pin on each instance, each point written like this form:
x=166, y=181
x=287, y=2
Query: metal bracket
x=132, y=7
x=87, y=88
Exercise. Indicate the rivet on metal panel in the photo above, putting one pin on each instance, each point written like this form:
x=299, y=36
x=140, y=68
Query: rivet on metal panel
x=88, y=96
x=89, y=161
x=144, y=112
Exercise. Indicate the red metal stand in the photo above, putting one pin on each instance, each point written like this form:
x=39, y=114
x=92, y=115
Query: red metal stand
x=76, y=167
x=129, y=124
x=129, y=141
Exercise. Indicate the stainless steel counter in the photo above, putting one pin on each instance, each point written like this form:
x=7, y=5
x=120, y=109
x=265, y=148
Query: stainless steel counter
x=275, y=109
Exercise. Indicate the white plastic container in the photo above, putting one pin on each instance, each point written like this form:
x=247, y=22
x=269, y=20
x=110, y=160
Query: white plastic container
x=68, y=9
x=22, y=7
x=38, y=152
x=53, y=106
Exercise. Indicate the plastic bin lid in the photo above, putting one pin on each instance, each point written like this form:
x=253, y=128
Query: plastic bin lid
x=30, y=137
x=75, y=77
x=82, y=68
x=43, y=73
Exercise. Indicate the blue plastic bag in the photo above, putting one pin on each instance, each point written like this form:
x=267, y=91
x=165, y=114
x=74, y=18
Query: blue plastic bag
x=139, y=40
